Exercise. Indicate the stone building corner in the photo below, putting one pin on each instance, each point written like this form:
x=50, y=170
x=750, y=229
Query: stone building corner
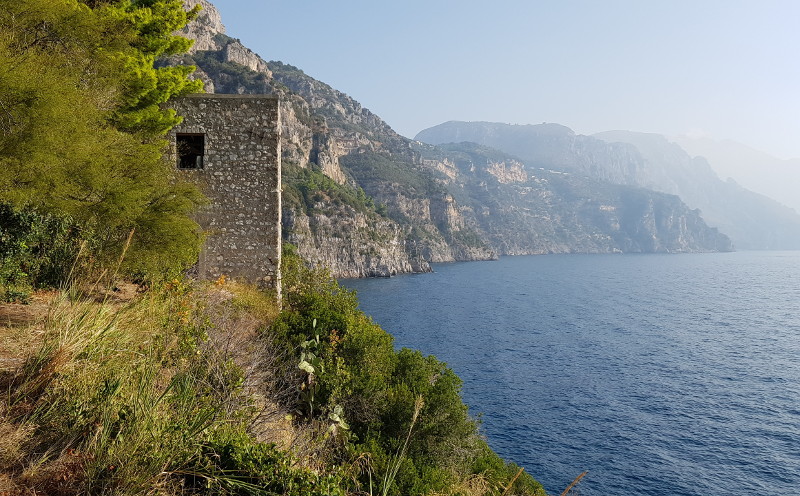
x=229, y=145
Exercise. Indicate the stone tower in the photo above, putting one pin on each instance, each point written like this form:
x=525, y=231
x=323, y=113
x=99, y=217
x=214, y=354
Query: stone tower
x=229, y=145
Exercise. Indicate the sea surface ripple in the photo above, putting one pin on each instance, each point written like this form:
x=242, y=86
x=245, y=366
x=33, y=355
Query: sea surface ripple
x=659, y=374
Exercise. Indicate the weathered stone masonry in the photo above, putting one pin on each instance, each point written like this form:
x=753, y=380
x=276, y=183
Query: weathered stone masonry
x=230, y=146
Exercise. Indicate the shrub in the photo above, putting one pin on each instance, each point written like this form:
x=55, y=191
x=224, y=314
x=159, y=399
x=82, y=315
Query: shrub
x=376, y=389
x=236, y=465
x=36, y=250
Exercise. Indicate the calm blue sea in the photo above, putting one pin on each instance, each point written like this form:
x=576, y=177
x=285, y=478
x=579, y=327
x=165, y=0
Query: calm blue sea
x=661, y=375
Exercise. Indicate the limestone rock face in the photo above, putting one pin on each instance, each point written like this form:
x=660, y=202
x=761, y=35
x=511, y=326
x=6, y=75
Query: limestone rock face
x=234, y=51
x=550, y=146
x=521, y=210
x=319, y=126
x=638, y=159
x=350, y=244
x=205, y=27
x=508, y=172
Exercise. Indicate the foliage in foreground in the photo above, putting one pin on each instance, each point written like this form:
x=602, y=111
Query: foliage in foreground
x=161, y=396
x=36, y=251
x=353, y=373
x=82, y=125
x=138, y=399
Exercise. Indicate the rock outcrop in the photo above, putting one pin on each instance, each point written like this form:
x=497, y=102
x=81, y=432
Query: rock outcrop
x=638, y=159
x=351, y=244
x=205, y=27
x=523, y=210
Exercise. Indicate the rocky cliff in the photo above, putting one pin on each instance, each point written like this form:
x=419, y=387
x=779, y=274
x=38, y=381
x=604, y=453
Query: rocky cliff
x=551, y=146
x=752, y=220
x=366, y=201
x=638, y=159
x=524, y=210
x=323, y=129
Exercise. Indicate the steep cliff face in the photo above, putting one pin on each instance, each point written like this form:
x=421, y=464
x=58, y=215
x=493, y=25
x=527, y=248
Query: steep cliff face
x=525, y=210
x=351, y=243
x=551, y=146
x=205, y=27
x=638, y=159
x=364, y=200
x=753, y=221
x=320, y=126
x=208, y=34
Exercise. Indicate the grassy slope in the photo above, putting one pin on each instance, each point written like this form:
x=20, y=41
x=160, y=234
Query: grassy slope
x=185, y=390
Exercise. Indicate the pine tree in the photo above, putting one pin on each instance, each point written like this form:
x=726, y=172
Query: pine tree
x=82, y=124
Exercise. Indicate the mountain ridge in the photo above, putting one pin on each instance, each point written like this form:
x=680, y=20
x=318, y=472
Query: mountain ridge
x=364, y=200
x=754, y=169
x=640, y=159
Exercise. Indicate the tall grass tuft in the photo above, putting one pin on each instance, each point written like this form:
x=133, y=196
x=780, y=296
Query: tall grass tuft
x=397, y=460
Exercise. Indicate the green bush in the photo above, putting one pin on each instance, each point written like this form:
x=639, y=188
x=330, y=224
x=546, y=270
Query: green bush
x=36, y=250
x=377, y=388
x=239, y=466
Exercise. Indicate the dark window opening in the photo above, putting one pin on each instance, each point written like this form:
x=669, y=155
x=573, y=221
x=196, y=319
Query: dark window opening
x=191, y=149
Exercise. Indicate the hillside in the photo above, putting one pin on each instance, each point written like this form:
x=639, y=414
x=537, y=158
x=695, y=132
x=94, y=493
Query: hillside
x=211, y=389
x=365, y=201
x=753, y=169
x=638, y=159
x=752, y=220
x=524, y=210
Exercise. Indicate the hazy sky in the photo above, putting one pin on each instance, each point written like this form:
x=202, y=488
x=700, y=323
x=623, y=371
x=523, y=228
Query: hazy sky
x=726, y=69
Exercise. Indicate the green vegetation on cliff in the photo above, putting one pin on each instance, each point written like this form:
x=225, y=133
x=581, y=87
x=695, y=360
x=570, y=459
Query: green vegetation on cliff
x=210, y=389
x=383, y=394
x=306, y=188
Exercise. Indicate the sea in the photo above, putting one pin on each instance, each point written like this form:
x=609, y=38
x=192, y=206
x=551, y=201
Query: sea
x=660, y=375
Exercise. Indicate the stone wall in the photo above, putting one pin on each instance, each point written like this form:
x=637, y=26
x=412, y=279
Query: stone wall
x=241, y=176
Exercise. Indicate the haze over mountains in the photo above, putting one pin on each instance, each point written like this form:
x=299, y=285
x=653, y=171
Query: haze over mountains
x=651, y=161
x=363, y=200
x=753, y=169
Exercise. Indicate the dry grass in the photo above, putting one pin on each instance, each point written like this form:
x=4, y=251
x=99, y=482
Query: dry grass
x=474, y=485
x=12, y=441
x=21, y=328
x=238, y=315
x=63, y=360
